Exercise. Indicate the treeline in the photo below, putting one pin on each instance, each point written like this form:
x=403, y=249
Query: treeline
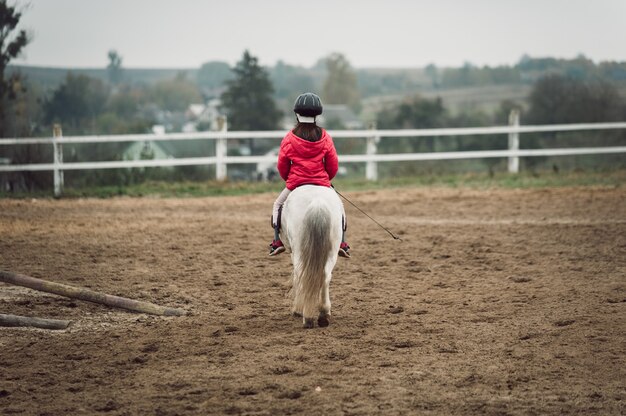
x=250, y=94
x=288, y=79
x=526, y=71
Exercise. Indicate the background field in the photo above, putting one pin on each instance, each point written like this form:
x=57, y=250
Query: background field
x=497, y=301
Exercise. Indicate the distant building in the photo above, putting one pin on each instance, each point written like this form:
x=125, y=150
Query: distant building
x=266, y=171
x=168, y=149
x=195, y=111
x=146, y=150
x=203, y=116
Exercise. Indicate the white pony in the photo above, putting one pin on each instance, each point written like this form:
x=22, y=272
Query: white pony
x=311, y=226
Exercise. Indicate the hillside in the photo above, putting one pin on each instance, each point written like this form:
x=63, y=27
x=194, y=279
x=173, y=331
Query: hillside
x=51, y=78
x=379, y=86
x=467, y=88
x=483, y=98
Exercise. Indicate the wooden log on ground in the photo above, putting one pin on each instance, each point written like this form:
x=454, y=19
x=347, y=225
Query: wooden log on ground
x=87, y=295
x=17, y=320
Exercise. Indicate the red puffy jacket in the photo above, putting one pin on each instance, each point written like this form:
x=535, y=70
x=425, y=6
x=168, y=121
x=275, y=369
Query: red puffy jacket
x=301, y=162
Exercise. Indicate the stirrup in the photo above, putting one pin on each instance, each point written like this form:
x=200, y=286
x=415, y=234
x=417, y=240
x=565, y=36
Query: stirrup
x=344, y=250
x=276, y=247
x=277, y=250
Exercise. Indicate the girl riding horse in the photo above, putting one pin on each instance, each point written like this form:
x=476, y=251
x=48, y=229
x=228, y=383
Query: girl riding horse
x=307, y=156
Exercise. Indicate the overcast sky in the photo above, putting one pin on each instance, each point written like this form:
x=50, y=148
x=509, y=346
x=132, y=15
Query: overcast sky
x=389, y=33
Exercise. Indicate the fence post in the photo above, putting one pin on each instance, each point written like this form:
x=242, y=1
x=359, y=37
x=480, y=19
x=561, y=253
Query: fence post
x=221, y=149
x=514, y=141
x=57, y=148
x=371, y=167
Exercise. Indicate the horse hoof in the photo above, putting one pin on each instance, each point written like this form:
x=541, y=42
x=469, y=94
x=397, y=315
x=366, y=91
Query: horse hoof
x=296, y=314
x=323, y=321
x=308, y=323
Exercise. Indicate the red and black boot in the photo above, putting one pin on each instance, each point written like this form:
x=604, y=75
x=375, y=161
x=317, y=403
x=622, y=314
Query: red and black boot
x=277, y=246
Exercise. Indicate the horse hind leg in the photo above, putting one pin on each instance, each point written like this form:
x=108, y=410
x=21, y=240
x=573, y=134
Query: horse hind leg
x=308, y=316
x=323, y=320
x=297, y=309
x=296, y=298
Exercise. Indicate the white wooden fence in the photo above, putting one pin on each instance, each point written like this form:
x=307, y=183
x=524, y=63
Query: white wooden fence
x=371, y=157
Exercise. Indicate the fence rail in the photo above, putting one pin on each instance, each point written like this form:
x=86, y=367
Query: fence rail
x=371, y=157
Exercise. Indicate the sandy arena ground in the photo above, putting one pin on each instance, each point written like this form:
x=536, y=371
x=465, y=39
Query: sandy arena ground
x=496, y=302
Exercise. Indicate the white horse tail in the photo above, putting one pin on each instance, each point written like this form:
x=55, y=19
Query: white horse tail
x=316, y=247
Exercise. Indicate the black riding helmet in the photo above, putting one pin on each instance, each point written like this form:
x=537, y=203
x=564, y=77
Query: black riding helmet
x=307, y=107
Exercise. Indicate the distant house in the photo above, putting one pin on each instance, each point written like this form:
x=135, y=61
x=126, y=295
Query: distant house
x=266, y=171
x=195, y=111
x=168, y=149
x=204, y=115
x=146, y=150
x=150, y=149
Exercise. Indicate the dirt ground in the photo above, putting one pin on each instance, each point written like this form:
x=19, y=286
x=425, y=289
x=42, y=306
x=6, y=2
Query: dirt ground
x=495, y=302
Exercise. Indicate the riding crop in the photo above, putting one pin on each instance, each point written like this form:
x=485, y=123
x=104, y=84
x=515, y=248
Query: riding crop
x=364, y=213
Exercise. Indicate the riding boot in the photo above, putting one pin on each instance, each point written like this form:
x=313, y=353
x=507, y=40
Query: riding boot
x=277, y=246
x=344, y=248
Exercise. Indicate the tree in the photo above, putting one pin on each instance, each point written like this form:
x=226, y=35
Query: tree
x=175, y=94
x=433, y=73
x=127, y=100
x=213, y=75
x=413, y=113
x=248, y=98
x=115, y=68
x=22, y=114
x=290, y=81
x=558, y=99
x=76, y=103
x=502, y=113
x=340, y=86
x=11, y=45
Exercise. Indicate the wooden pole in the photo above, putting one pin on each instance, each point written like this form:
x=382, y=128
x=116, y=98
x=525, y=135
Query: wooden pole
x=87, y=295
x=16, y=320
